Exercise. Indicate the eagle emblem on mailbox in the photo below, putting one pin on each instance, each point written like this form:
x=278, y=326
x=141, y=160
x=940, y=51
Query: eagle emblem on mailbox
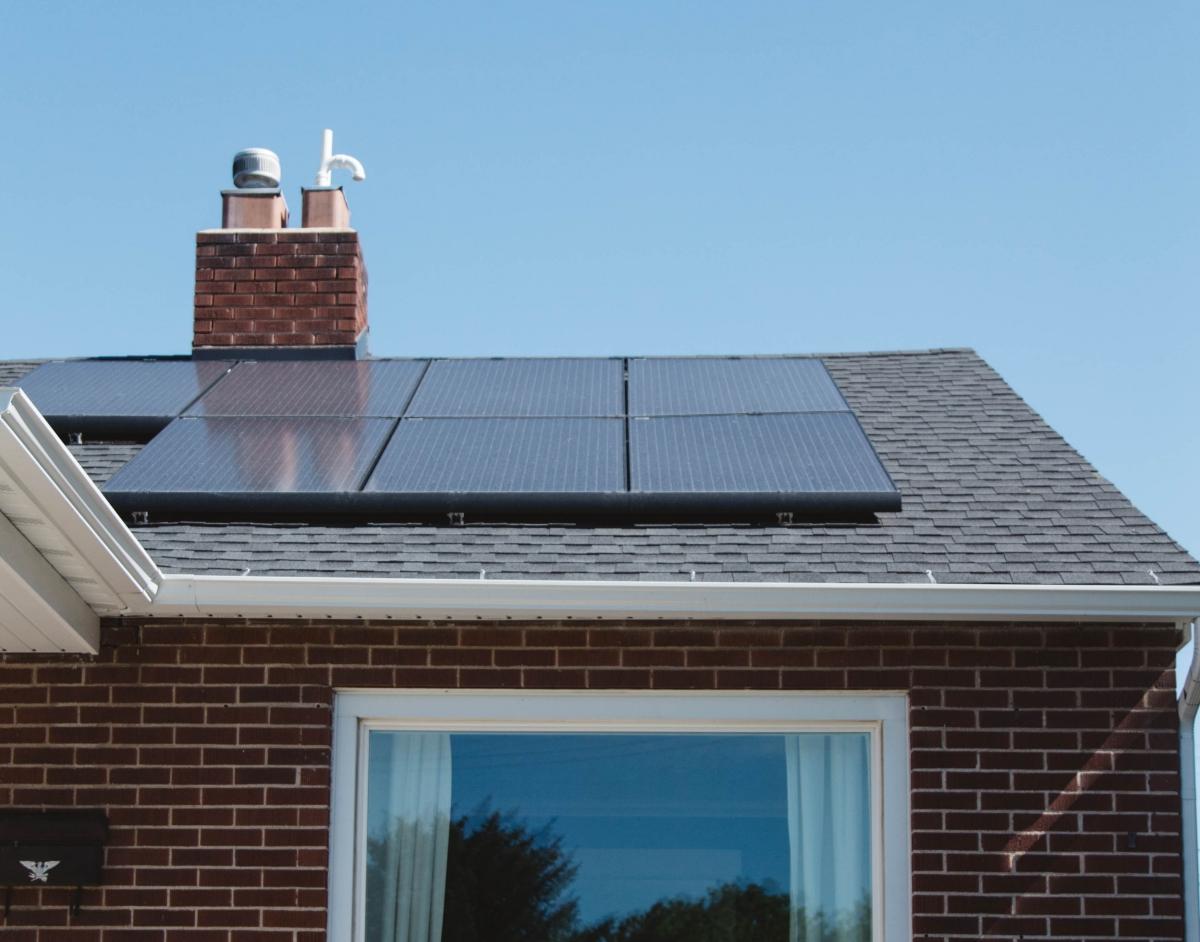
x=39, y=869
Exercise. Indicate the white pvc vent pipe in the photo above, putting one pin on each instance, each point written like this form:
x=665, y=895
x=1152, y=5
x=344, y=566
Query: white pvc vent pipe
x=331, y=161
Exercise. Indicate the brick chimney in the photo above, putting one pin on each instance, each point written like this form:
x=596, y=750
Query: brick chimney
x=264, y=291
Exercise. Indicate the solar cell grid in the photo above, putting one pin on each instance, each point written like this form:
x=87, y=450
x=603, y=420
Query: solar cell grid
x=314, y=387
x=563, y=455
x=730, y=385
x=814, y=453
x=521, y=388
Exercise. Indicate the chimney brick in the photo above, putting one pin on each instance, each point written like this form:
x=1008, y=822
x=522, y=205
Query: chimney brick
x=283, y=288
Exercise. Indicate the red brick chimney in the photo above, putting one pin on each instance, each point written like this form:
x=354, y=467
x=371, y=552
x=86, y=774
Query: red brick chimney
x=268, y=292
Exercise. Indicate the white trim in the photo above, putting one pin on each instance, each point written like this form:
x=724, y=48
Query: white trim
x=1189, y=705
x=883, y=715
x=347, y=781
x=47, y=495
x=65, y=556
x=330, y=597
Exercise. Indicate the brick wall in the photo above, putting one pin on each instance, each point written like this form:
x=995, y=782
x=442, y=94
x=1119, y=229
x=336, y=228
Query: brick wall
x=287, y=287
x=1045, y=778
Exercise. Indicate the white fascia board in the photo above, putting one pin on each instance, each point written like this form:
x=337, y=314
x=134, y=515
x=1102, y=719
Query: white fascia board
x=39, y=610
x=51, y=500
x=306, y=597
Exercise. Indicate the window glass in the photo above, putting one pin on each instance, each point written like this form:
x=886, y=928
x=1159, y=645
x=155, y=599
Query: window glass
x=590, y=837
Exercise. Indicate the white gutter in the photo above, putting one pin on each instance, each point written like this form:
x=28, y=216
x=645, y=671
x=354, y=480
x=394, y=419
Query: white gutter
x=315, y=597
x=65, y=556
x=48, y=497
x=1189, y=705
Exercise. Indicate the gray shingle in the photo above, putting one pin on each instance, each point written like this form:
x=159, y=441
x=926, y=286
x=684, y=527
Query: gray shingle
x=101, y=460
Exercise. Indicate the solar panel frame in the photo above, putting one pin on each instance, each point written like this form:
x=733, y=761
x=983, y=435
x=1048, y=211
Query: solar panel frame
x=346, y=388
x=663, y=386
x=521, y=388
x=118, y=400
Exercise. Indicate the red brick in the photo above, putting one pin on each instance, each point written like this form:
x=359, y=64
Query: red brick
x=191, y=805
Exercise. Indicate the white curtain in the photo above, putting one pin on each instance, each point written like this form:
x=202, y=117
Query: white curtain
x=829, y=835
x=414, y=882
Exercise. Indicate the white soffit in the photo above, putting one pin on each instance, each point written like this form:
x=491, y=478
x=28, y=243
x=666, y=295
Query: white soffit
x=39, y=611
x=49, y=500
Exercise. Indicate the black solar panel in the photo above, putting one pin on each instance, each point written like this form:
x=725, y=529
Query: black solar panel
x=314, y=387
x=711, y=386
x=521, y=388
x=118, y=399
x=811, y=459
x=495, y=456
x=252, y=456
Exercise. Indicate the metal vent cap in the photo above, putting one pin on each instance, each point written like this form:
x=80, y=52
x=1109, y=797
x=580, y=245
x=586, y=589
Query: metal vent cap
x=255, y=168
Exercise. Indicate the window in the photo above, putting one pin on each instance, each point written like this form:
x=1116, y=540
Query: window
x=580, y=817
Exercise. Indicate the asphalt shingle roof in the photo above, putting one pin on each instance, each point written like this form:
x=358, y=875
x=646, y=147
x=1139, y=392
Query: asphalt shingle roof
x=991, y=494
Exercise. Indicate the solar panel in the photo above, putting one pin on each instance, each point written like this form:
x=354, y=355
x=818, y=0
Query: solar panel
x=196, y=458
x=809, y=460
x=118, y=399
x=498, y=456
x=521, y=388
x=314, y=387
x=711, y=386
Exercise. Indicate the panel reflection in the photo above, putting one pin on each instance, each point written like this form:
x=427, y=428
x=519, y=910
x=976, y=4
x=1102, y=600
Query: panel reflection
x=350, y=388
x=119, y=387
x=255, y=455
x=618, y=838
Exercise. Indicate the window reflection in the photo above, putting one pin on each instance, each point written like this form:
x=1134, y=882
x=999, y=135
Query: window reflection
x=618, y=838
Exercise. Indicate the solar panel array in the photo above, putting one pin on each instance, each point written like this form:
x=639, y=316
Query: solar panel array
x=609, y=439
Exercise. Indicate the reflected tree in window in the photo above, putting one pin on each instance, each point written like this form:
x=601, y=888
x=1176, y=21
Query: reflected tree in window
x=732, y=912
x=506, y=882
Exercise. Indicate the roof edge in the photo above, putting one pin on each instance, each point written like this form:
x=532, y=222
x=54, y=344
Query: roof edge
x=62, y=517
x=48, y=497
x=532, y=599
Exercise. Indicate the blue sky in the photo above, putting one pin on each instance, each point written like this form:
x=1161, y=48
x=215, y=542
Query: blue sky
x=663, y=177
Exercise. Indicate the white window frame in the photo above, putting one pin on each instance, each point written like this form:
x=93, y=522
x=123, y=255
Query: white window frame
x=884, y=716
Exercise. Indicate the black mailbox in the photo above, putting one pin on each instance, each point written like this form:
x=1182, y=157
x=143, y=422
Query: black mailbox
x=51, y=848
